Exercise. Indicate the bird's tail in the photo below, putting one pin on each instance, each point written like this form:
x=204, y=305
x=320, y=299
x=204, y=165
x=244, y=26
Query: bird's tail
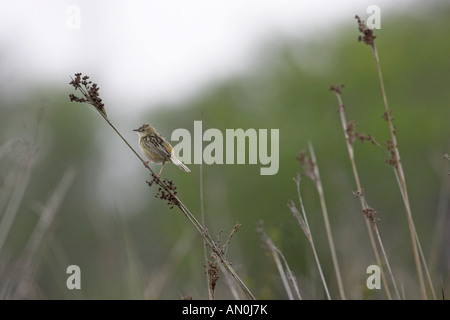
x=179, y=164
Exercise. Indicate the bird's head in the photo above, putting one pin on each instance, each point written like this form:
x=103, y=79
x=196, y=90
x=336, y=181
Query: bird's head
x=144, y=130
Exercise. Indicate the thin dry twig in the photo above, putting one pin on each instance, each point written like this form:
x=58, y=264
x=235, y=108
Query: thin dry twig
x=166, y=192
x=370, y=214
x=211, y=286
x=15, y=200
x=303, y=222
x=287, y=276
x=158, y=279
x=360, y=193
x=47, y=213
x=395, y=160
x=311, y=169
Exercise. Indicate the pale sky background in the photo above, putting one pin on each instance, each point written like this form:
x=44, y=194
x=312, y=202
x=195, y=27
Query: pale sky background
x=146, y=52
x=143, y=53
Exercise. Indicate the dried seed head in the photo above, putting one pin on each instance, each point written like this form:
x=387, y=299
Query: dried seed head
x=391, y=150
x=351, y=132
x=446, y=156
x=212, y=271
x=367, y=137
x=308, y=165
x=89, y=92
x=387, y=116
x=337, y=88
x=367, y=34
x=166, y=191
x=359, y=193
x=370, y=213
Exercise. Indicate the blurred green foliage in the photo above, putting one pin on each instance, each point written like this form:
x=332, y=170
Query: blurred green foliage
x=153, y=252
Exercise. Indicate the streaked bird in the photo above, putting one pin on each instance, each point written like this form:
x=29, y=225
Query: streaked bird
x=156, y=148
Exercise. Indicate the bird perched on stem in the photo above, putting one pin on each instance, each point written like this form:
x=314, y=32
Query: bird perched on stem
x=156, y=148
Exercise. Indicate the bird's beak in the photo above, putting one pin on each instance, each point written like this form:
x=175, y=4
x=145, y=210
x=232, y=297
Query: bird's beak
x=136, y=130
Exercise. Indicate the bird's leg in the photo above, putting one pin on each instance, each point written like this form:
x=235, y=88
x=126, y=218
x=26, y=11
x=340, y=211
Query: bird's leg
x=159, y=174
x=146, y=163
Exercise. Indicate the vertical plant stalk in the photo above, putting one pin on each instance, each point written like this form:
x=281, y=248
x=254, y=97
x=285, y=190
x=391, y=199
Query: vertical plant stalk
x=283, y=276
x=47, y=214
x=422, y=258
x=318, y=183
x=91, y=96
x=303, y=222
x=369, y=39
x=370, y=215
x=287, y=277
x=350, y=149
x=401, y=180
x=202, y=213
x=15, y=200
x=290, y=275
x=8, y=146
x=159, y=278
x=439, y=228
x=231, y=285
x=375, y=229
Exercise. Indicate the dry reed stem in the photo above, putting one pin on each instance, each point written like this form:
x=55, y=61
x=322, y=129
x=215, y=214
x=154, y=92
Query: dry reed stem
x=174, y=199
x=441, y=212
x=27, y=262
x=15, y=200
x=9, y=146
x=303, y=222
x=287, y=277
x=159, y=278
x=370, y=215
x=349, y=142
x=318, y=184
x=230, y=283
x=395, y=160
x=398, y=168
x=205, y=255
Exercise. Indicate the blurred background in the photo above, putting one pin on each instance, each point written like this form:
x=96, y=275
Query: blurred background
x=72, y=193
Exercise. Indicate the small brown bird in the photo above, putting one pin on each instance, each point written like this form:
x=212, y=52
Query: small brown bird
x=156, y=148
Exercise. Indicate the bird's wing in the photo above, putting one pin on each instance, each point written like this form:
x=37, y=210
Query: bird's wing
x=157, y=144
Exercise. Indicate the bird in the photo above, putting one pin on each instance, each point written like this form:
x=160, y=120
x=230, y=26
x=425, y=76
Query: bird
x=156, y=148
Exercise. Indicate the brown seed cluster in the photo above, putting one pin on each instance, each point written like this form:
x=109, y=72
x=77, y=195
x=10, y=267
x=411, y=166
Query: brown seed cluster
x=351, y=132
x=359, y=193
x=366, y=137
x=308, y=165
x=337, y=88
x=391, y=149
x=89, y=91
x=446, y=156
x=367, y=34
x=387, y=116
x=212, y=271
x=163, y=191
x=370, y=214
